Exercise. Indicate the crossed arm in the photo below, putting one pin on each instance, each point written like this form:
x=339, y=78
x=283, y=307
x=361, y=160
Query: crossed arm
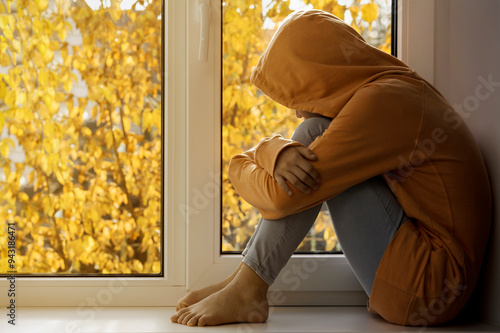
x=281, y=177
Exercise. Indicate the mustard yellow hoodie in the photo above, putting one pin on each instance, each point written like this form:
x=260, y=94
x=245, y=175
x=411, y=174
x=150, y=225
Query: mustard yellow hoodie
x=387, y=121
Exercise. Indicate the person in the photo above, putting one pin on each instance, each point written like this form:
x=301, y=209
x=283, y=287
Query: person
x=400, y=172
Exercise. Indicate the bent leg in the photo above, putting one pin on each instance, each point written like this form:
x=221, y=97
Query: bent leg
x=365, y=218
x=274, y=242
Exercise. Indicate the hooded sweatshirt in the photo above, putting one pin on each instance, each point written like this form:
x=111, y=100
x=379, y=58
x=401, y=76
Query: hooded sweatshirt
x=387, y=120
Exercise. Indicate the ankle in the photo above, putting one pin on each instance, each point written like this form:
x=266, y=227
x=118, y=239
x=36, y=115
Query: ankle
x=250, y=283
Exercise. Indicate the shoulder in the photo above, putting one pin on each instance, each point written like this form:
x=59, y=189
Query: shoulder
x=394, y=88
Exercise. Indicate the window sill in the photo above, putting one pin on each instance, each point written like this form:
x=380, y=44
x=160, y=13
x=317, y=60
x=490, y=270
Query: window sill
x=156, y=319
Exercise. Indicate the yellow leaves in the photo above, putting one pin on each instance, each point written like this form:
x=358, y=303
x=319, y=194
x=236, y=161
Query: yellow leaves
x=42, y=4
x=147, y=119
x=4, y=59
x=338, y=11
x=48, y=99
x=68, y=85
x=2, y=120
x=3, y=89
x=23, y=197
x=126, y=124
x=280, y=10
x=43, y=77
x=88, y=246
x=156, y=267
x=86, y=132
x=52, y=162
x=94, y=215
x=78, y=65
x=369, y=12
x=109, y=94
x=62, y=32
x=66, y=201
x=78, y=185
x=354, y=11
x=10, y=98
x=109, y=140
x=45, y=51
x=109, y=61
x=7, y=26
x=48, y=206
x=64, y=53
x=5, y=146
x=39, y=25
x=35, y=7
x=137, y=266
x=21, y=98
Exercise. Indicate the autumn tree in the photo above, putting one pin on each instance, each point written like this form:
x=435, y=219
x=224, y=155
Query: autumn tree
x=81, y=109
x=248, y=115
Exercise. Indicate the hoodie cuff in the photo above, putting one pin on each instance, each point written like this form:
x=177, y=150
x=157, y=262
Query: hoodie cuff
x=268, y=149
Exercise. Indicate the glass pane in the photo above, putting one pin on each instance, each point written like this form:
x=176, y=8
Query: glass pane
x=80, y=137
x=248, y=115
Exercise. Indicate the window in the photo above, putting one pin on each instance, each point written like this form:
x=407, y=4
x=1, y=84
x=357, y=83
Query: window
x=81, y=144
x=248, y=115
x=162, y=279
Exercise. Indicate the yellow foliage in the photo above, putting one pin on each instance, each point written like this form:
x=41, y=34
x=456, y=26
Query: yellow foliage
x=369, y=12
x=77, y=196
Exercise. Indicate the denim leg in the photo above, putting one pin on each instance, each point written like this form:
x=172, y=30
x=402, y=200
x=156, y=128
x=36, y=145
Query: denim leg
x=365, y=218
x=274, y=242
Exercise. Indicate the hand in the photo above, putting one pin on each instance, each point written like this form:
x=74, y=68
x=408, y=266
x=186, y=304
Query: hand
x=293, y=166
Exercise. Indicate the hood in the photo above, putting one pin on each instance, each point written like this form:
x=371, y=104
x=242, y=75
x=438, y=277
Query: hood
x=316, y=62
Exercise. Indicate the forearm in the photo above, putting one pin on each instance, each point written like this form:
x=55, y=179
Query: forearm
x=251, y=174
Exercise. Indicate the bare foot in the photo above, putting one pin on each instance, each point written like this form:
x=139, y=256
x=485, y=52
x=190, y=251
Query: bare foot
x=244, y=299
x=197, y=295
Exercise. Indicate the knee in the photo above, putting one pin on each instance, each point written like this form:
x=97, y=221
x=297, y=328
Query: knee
x=310, y=129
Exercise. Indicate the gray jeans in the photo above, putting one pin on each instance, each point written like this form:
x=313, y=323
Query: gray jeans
x=365, y=218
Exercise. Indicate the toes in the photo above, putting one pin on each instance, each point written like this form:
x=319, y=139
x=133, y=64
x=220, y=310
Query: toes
x=202, y=321
x=187, y=318
x=175, y=318
x=182, y=305
x=194, y=320
x=182, y=316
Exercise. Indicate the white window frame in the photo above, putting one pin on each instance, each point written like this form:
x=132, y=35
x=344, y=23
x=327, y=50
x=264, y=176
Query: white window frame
x=192, y=184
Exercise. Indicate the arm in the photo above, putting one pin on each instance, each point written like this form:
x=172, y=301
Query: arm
x=363, y=141
x=251, y=172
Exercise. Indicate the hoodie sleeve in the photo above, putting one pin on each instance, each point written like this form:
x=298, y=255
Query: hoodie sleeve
x=365, y=139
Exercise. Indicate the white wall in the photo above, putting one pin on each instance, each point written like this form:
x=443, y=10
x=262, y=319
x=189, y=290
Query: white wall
x=467, y=47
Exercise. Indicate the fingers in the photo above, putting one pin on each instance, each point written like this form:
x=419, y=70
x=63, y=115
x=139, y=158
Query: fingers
x=302, y=181
x=306, y=153
x=284, y=186
x=293, y=167
x=305, y=165
x=310, y=173
x=299, y=179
